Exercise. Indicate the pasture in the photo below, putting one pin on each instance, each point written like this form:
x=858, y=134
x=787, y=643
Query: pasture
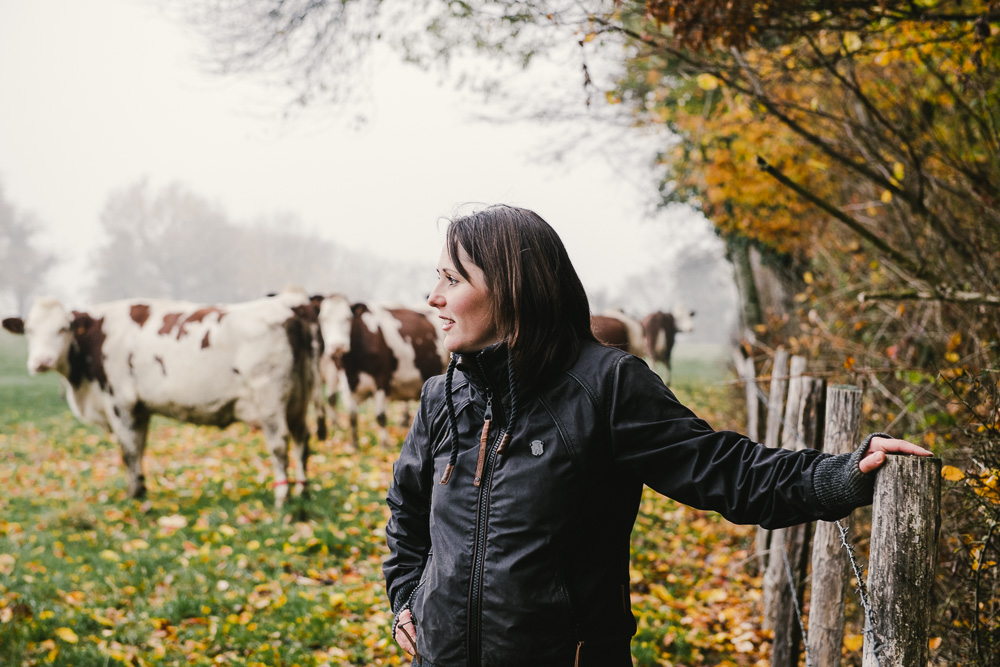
x=206, y=572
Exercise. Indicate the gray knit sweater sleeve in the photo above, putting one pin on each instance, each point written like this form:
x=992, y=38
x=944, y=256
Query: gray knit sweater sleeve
x=840, y=485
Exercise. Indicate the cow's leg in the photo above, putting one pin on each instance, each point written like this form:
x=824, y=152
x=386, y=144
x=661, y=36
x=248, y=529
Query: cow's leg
x=381, y=406
x=300, y=454
x=666, y=359
x=276, y=434
x=131, y=426
x=319, y=405
x=350, y=404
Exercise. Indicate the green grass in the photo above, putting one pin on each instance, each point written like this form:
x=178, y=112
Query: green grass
x=699, y=363
x=205, y=571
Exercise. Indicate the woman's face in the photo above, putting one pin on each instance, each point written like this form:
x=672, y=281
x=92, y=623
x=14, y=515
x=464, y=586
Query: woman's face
x=463, y=305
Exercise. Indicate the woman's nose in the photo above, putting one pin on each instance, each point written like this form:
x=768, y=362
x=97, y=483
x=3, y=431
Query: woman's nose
x=434, y=299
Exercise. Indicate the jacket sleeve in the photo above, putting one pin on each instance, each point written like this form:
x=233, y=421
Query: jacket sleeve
x=409, y=497
x=671, y=450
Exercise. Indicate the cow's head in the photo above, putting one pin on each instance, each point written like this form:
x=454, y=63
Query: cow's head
x=335, y=317
x=683, y=319
x=50, y=335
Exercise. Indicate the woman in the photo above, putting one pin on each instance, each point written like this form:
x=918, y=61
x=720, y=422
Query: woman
x=516, y=489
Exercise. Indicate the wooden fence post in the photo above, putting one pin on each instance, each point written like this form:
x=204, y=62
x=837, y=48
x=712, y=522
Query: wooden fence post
x=791, y=435
x=784, y=580
x=776, y=397
x=842, y=434
x=775, y=403
x=748, y=375
x=906, y=517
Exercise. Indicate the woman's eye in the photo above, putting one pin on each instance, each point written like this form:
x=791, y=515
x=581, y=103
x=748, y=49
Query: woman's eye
x=451, y=281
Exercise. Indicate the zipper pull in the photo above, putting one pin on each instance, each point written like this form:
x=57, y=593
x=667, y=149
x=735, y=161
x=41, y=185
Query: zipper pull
x=488, y=417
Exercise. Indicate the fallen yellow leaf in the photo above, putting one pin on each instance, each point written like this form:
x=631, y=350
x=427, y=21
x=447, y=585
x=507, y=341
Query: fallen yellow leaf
x=67, y=635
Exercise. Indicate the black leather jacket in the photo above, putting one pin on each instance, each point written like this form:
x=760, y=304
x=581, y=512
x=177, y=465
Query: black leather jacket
x=531, y=567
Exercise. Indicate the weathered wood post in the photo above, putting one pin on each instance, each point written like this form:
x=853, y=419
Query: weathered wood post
x=772, y=433
x=791, y=434
x=748, y=375
x=776, y=397
x=784, y=581
x=906, y=517
x=830, y=562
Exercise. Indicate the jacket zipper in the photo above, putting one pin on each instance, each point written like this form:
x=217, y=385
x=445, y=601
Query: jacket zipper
x=484, y=475
x=487, y=418
x=479, y=555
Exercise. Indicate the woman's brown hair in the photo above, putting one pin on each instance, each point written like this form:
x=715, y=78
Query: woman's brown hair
x=536, y=298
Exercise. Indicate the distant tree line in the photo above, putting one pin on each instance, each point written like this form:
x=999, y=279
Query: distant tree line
x=175, y=243
x=23, y=264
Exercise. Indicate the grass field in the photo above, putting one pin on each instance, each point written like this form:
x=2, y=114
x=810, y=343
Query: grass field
x=206, y=572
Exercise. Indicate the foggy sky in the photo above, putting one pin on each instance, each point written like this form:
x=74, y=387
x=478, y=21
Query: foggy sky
x=96, y=95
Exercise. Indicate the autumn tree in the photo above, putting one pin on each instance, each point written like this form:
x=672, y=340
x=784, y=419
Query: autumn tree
x=854, y=146
x=23, y=264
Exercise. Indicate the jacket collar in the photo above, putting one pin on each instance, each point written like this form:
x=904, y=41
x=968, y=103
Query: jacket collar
x=487, y=368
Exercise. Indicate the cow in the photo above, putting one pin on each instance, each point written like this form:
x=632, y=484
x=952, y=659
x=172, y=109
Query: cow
x=385, y=351
x=123, y=361
x=660, y=330
x=616, y=329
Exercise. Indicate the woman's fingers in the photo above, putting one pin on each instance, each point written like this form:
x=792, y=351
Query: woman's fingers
x=878, y=448
x=406, y=632
x=871, y=462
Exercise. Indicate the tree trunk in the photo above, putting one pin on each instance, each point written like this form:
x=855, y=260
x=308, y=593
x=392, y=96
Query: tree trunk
x=738, y=248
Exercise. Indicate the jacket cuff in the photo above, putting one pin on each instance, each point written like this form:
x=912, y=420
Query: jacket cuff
x=839, y=483
x=401, y=600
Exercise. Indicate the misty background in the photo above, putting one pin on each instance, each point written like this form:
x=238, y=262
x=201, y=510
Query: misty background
x=126, y=169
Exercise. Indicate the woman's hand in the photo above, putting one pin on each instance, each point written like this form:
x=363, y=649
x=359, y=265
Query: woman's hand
x=406, y=632
x=880, y=446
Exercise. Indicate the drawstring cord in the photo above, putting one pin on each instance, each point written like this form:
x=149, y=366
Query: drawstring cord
x=413, y=642
x=512, y=380
x=452, y=420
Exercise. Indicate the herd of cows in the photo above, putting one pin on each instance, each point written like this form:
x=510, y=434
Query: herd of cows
x=262, y=362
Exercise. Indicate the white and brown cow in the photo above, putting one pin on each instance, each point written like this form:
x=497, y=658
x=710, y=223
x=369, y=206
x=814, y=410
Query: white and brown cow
x=385, y=351
x=124, y=361
x=660, y=330
x=616, y=329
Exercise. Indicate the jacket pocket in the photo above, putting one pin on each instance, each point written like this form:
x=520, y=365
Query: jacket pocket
x=418, y=591
x=571, y=611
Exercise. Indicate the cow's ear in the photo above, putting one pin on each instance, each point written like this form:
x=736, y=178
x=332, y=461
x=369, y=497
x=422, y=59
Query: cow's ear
x=15, y=325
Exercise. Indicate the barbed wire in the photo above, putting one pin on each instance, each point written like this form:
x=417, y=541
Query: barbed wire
x=869, y=629
x=795, y=601
x=862, y=593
